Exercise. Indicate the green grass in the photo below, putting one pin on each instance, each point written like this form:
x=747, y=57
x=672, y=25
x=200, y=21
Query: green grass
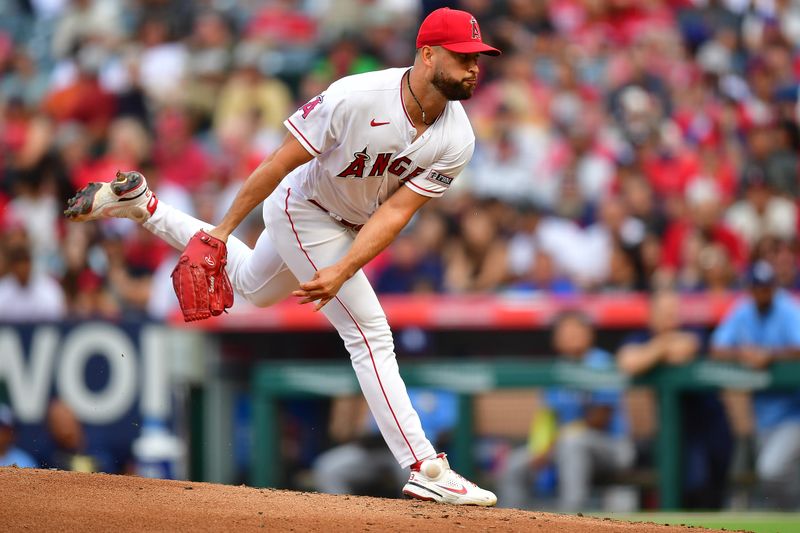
x=756, y=521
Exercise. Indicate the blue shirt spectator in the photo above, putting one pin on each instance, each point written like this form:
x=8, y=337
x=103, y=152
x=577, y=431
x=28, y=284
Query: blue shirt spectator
x=577, y=435
x=772, y=329
x=759, y=330
x=570, y=405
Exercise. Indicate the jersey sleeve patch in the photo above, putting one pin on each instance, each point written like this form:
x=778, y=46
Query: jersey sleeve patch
x=439, y=179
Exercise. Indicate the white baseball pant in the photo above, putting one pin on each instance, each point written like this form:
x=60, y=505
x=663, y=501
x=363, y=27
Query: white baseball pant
x=299, y=239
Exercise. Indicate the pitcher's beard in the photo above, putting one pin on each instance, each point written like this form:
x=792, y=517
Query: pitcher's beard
x=451, y=88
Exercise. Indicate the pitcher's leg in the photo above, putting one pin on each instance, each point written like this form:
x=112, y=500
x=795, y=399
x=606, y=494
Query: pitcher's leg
x=308, y=239
x=362, y=325
x=258, y=274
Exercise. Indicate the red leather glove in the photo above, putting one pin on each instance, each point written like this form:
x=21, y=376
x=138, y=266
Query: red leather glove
x=200, y=281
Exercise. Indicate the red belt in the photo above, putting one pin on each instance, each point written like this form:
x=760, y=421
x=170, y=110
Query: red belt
x=337, y=218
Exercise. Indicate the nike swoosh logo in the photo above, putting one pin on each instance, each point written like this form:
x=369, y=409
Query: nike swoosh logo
x=462, y=490
x=373, y=123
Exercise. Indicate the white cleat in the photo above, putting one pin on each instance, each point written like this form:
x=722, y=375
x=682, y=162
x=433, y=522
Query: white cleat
x=126, y=197
x=434, y=480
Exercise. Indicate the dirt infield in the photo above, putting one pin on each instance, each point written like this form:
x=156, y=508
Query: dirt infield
x=48, y=500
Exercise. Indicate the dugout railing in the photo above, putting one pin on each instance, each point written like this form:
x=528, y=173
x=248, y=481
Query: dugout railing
x=276, y=380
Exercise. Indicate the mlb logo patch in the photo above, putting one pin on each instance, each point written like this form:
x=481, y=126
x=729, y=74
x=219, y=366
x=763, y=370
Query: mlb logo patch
x=439, y=179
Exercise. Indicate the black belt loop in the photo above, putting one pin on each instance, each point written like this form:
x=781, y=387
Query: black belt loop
x=337, y=218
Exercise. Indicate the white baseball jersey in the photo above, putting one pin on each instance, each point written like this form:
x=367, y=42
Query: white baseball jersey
x=366, y=146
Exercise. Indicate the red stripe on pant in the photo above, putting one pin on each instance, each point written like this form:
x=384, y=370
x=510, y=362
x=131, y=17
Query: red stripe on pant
x=366, y=342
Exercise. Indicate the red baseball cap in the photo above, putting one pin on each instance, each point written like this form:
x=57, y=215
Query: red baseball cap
x=455, y=30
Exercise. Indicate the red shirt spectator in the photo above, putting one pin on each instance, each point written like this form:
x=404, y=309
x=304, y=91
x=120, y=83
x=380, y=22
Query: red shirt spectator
x=180, y=159
x=669, y=174
x=677, y=233
x=84, y=101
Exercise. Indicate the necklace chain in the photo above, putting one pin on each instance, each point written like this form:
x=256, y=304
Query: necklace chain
x=414, y=96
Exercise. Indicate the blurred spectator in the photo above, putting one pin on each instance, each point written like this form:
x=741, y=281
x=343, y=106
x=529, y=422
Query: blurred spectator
x=613, y=246
x=785, y=263
x=248, y=95
x=210, y=57
x=73, y=449
x=131, y=265
x=784, y=161
x=415, y=264
x=707, y=441
x=582, y=434
x=35, y=182
x=511, y=165
x=570, y=201
x=761, y=212
x=716, y=272
x=640, y=99
x=353, y=17
x=83, y=21
x=622, y=271
x=127, y=147
x=344, y=58
x=24, y=138
x=668, y=164
x=593, y=164
x=163, y=62
x=759, y=330
x=476, y=260
x=36, y=296
x=80, y=96
x=702, y=225
x=178, y=156
x=177, y=15
x=362, y=465
x=542, y=277
x=24, y=81
x=641, y=202
x=563, y=240
x=10, y=455
x=770, y=159
x=85, y=288
x=281, y=22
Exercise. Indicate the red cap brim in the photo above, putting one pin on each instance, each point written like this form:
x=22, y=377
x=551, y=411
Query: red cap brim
x=471, y=47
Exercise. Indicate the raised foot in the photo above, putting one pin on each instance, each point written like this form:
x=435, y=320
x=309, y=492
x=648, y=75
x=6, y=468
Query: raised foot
x=126, y=196
x=81, y=204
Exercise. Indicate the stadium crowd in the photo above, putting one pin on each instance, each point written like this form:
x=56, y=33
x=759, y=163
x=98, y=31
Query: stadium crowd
x=622, y=145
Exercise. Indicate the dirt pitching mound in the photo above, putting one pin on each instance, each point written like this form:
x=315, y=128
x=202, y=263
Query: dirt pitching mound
x=50, y=500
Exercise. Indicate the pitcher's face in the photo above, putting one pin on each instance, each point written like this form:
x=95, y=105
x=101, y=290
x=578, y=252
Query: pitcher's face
x=455, y=75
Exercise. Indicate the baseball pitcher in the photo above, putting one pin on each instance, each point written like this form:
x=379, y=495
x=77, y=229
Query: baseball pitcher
x=359, y=160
